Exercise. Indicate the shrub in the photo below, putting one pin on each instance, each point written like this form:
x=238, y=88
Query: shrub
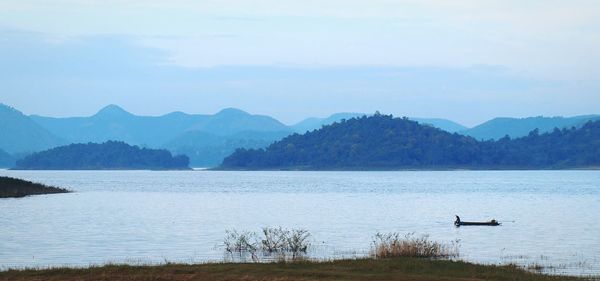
x=241, y=243
x=274, y=239
x=297, y=242
x=409, y=245
x=280, y=241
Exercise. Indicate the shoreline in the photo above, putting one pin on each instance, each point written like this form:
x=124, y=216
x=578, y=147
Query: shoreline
x=592, y=168
x=11, y=187
x=207, y=169
x=398, y=268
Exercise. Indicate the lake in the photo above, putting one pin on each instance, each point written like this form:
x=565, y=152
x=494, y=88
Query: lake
x=548, y=217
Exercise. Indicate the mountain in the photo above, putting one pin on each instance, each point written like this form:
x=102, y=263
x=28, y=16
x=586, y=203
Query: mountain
x=207, y=139
x=209, y=150
x=384, y=142
x=108, y=155
x=114, y=123
x=444, y=124
x=519, y=127
x=314, y=123
x=6, y=160
x=231, y=121
x=20, y=134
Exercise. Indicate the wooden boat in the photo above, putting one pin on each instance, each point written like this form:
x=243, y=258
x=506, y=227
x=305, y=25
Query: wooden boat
x=466, y=223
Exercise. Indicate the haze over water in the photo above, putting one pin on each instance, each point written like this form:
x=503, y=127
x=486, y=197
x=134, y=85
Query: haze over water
x=548, y=217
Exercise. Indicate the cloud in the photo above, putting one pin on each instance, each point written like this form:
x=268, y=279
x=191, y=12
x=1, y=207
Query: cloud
x=542, y=39
x=77, y=75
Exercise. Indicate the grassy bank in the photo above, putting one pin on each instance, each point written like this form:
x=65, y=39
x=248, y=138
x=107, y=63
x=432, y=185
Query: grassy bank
x=12, y=187
x=361, y=269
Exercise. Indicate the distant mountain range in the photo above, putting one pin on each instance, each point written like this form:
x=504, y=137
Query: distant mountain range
x=444, y=124
x=209, y=150
x=22, y=135
x=207, y=139
x=314, y=123
x=381, y=142
x=519, y=127
x=114, y=123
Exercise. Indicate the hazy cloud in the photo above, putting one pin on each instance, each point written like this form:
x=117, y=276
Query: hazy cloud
x=467, y=60
x=555, y=39
x=79, y=75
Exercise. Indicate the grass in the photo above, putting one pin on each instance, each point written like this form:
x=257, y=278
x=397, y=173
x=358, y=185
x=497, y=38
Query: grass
x=408, y=245
x=15, y=188
x=399, y=268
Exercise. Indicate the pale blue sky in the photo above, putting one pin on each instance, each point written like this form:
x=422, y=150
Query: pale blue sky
x=466, y=60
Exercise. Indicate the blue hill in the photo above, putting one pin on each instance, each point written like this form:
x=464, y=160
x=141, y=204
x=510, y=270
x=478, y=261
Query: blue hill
x=114, y=123
x=519, y=127
x=22, y=135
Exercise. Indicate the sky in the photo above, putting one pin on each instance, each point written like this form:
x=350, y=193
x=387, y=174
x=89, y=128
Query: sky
x=464, y=60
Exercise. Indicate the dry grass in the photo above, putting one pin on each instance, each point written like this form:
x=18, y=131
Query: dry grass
x=398, y=257
x=396, y=245
x=360, y=269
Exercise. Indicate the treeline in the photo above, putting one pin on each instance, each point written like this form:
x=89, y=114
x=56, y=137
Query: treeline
x=108, y=155
x=384, y=142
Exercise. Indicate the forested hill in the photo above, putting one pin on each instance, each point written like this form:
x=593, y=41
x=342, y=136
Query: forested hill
x=108, y=155
x=384, y=142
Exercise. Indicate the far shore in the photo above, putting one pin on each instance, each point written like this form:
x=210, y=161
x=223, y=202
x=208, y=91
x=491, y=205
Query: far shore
x=366, y=169
x=218, y=169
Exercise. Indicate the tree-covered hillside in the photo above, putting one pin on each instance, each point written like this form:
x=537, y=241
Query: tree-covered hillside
x=314, y=123
x=108, y=155
x=561, y=148
x=384, y=142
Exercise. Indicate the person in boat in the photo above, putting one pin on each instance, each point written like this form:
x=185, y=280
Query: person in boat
x=457, y=221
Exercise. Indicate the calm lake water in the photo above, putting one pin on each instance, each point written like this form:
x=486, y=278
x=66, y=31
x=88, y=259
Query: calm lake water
x=548, y=217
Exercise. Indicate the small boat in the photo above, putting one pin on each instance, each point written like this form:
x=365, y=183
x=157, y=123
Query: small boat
x=490, y=223
x=458, y=222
